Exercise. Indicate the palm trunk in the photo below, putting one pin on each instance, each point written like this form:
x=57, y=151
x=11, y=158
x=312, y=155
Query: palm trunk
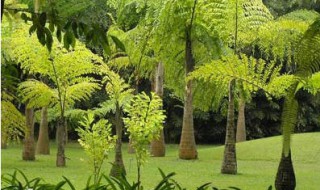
x=28, y=144
x=241, y=123
x=158, y=148
x=61, y=142
x=118, y=168
x=187, y=147
x=229, y=163
x=285, y=179
x=43, y=146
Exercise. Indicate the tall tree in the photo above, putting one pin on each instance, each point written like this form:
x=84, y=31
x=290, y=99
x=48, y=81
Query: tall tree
x=68, y=84
x=158, y=148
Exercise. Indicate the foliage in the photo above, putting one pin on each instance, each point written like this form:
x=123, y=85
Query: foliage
x=96, y=140
x=68, y=24
x=253, y=74
x=12, y=181
x=119, y=92
x=143, y=123
x=12, y=121
x=68, y=85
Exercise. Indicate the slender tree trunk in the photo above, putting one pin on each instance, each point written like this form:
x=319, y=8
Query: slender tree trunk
x=28, y=142
x=187, y=147
x=118, y=168
x=3, y=143
x=241, y=123
x=136, y=91
x=61, y=142
x=229, y=163
x=2, y=8
x=158, y=148
x=43, y=146
x=285, y=179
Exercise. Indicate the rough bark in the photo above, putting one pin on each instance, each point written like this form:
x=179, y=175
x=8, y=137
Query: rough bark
x=229, y=163
x=28, y=152
x=187, y=147
x=43, y=146
x=118, y=168
x=61, y=142
x=285, y=179
x=241, y=123
x=158, y=148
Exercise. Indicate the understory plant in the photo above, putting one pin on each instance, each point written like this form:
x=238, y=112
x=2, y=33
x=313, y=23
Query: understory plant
x=97, y=141
x=144, y=124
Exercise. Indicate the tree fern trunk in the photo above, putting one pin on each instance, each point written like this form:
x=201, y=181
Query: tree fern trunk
x=158, y=146
x=43, y=146
x=187, y=147
x=118, y=168
x=61, y=142
x=241, y=122
x=28, y=142
x=285, y=179
x=229, y=163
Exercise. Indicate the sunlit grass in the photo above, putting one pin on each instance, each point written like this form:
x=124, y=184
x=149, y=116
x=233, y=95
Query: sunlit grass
x=257, y=164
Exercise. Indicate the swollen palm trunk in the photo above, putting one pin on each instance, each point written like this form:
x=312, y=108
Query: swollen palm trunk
x=285, y=179
x=229, y=164
x=241, y=125
x=187, y=147
x=61, y=141
x=158, y=148
x=43, y=140
x=28, y=143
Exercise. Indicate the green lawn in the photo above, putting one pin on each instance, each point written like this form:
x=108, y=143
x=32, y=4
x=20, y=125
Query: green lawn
x=257, y=164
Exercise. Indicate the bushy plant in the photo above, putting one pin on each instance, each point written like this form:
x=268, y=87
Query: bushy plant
x=97, y=141
x=143, y=123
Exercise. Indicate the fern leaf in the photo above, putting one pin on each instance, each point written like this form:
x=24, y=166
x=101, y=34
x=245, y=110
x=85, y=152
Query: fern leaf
x=37, y=93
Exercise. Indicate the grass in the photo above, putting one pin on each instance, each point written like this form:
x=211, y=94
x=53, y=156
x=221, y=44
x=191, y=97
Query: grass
x=257, y=164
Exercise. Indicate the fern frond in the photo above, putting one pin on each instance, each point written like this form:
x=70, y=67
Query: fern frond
x=81, y=91
x=308, y=51
x=253, y=74
x=312, y=84
x=37, y=93
x=279, y=86
x=106, y=107
x=12, y=122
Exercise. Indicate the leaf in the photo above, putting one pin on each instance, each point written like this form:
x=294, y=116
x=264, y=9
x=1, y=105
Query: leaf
x=41, y=36
x=43, y=19
x=32, y=29
x=59, y=34
x=118, y=43
x=25, y=17
x=69, y=183
x=51, y=27
x=49, y=39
